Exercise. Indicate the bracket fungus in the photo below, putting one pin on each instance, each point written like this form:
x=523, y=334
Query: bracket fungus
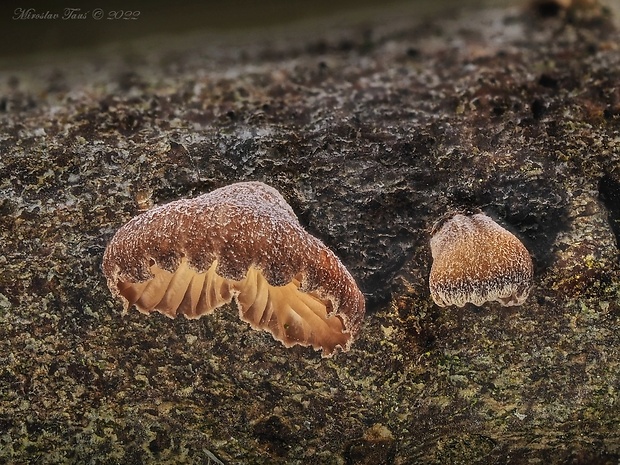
x=240, y=242
x=476, y=260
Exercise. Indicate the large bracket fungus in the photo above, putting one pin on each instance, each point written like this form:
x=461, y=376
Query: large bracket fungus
x=476, y=260
x=240, y=242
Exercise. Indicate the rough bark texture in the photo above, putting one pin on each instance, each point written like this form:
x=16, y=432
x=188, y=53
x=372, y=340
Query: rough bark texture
x=372, y=135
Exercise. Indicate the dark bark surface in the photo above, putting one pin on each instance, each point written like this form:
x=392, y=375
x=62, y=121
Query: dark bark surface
x=372, y=135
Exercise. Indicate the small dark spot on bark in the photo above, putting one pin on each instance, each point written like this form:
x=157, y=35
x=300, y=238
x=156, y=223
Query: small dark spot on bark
x=548, y=9
x=548, y=81
x=609, y=193
x=368, y=451
x=80, y=373
x=346, y=45
x=53, y=368
x=498, y=110
x=538, y=108
x=611, y=112
x=160, y=443
x=274, y=433
x=177, y=153
x=413, y=52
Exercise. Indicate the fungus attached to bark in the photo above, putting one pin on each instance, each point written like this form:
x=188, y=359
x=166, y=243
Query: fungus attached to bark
x=240, y=242
x=476, y=260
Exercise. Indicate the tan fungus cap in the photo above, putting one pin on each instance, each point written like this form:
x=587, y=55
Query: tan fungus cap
x=476, y=260
x=241, y=241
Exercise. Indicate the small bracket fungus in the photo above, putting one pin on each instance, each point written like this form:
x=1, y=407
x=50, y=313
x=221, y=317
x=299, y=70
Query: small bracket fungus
x=240, y=242
x=476, y=260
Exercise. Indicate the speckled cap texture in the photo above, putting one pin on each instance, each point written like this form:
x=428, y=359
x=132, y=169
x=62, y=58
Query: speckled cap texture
x=233, y=229
x=475, y=261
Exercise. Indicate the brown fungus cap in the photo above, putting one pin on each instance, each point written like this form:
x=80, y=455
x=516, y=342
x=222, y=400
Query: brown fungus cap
x=476, y=260
x=241, y=241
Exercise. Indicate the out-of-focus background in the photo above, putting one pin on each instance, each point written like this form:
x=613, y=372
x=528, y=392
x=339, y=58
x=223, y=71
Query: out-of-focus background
x=38, y=26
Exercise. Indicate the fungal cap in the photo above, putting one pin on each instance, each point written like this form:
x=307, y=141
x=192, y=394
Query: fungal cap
x=241, y=242
x=475, y=260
